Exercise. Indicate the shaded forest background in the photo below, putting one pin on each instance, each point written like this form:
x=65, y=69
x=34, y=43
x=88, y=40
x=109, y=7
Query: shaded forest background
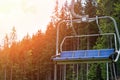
x=30, y=58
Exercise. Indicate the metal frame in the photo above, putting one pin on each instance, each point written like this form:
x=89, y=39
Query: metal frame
x=93, y=19
x=77, y=36
x=116, y=36
x=80, y=19
x=90, y=19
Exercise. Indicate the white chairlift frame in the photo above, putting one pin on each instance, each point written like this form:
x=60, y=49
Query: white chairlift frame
x=79, y=19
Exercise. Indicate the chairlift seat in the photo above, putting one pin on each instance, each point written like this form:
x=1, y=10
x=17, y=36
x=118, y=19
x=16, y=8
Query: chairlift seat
x=84, y=55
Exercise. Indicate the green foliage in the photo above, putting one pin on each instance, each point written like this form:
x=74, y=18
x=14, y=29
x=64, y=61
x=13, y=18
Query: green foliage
x=97, y=71
x=30, y=58
x=92, y=72
x=109, y=8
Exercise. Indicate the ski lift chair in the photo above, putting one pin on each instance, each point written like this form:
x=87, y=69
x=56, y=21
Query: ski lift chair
x=106, y=55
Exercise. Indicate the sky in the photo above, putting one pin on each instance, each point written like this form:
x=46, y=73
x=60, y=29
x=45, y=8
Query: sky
x=27, y=16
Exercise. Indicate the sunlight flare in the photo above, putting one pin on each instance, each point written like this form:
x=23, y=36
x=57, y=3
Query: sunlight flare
x=28, y=16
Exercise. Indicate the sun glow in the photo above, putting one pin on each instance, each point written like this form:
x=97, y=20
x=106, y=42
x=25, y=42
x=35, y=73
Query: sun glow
x=28, y=16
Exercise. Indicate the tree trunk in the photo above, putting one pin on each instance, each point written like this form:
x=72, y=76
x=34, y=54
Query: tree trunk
x=38, y=77
x=11, y=73
x=5, y=74
x=49, y=75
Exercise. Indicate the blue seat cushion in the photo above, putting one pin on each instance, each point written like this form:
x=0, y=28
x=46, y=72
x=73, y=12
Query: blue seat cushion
x=84, y=54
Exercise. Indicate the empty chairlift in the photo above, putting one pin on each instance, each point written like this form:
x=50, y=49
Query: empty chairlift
x=77, y=55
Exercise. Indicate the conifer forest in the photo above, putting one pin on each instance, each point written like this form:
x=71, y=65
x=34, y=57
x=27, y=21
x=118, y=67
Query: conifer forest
x=31, y=57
